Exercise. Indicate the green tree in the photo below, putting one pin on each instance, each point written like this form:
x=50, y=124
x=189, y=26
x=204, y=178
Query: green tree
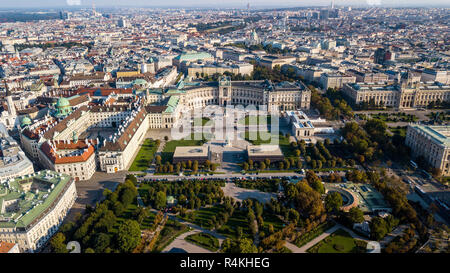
x=355, y=215
x=160, y=200
x=57, y=243
x=378, y=228
x=195, y=166
x=262, y=167
x=128, y=235
x=89, y=250
x=333, y=202
x=102, y=241
x=246, y=245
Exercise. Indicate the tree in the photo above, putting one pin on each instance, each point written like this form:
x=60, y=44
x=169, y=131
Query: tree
x=195, y=166
x=378, y=228
x=127, y=196
x=57, y=243
x=158, y=159
x=246, y=246
x=333, y=202
x=118, y=208
x=166, y=138
x=245, y=166
x=207, y=164
x=160, y=201
x=102, y=241
x=213, y=167
x=140, y=214
x=355, y=215
x=128, y=235
x=243, y=245
x=262, y=167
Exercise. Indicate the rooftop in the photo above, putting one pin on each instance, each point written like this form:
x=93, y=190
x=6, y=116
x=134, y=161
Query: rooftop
x=24, y=199
x=191, y=151
x=439, y=134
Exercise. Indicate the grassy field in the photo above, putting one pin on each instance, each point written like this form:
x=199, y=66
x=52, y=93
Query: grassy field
x=398, y=130
x=338, y=242
x=204, y=240
x=238, y=219
x=203, y=216
x=255, y=120
x=201, y=121
x=307, y=237
x=169, y=149
x=144, y=156
x=273, y=220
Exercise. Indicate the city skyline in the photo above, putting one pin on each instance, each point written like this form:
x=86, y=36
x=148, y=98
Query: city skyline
x=219, y=4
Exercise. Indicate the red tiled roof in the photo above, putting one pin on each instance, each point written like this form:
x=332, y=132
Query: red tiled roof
x=60, y=145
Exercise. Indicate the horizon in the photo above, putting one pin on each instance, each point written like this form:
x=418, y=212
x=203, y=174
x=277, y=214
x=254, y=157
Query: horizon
x=233, y=4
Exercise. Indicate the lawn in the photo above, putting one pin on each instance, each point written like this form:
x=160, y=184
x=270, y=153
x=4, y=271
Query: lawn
x=395, y=117
x=203, y=216
x=309, y=236
x=200, y=121
x=398, y=130
x=171, y=230
x=144, y=156
x=149, y=221
x=204, y=240
x=272, y=219
x=169, y=148
x=238, y=219
x=255, y=120
x=338, y=242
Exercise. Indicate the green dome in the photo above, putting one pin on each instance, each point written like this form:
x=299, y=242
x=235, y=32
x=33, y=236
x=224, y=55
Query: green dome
x=25, y=121
x=62, y=102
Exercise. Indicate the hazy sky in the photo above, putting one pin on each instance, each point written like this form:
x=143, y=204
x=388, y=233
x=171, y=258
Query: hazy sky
x=216, y=3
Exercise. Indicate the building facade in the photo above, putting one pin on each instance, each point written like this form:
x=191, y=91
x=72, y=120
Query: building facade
x=398, y=96
x=432, y=143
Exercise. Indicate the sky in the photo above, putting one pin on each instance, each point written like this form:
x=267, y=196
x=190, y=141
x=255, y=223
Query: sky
x=216, y=3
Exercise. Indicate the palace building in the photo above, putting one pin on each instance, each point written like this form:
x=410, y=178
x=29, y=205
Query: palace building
x=32, y=208
x=105, y=133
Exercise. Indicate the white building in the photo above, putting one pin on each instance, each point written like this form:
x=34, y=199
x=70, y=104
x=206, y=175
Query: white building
x=13, y=161
x=32, y=208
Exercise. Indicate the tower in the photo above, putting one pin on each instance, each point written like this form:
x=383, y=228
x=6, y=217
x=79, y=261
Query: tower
x=332, y=4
